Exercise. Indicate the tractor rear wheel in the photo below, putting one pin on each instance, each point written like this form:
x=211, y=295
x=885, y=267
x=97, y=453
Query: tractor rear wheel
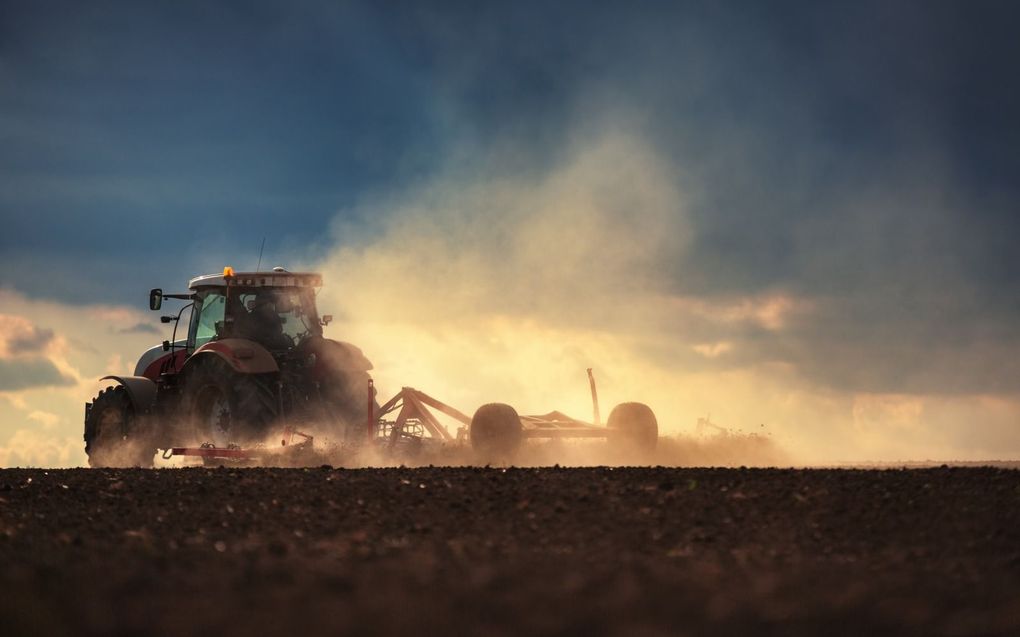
x=112, y=435
x=496, y=432
x=225, y=406
x=633, y=428
x=345, y=394
x=342, y=372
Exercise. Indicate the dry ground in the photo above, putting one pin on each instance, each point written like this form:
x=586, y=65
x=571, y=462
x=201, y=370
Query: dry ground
x=523, y=551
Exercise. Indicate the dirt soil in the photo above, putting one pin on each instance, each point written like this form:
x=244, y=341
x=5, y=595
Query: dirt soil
x=592, y=551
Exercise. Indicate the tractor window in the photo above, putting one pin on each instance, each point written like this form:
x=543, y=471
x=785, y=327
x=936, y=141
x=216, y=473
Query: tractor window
x=278, y=318
x=209, y=314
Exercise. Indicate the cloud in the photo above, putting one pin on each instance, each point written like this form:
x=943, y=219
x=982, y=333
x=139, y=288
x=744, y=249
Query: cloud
x=18, y=335
x=40, y=448
x=31, y=341
x=712, y=350
x=24, y=373
x=42, y=390
x=47, y=419
x=142, y=328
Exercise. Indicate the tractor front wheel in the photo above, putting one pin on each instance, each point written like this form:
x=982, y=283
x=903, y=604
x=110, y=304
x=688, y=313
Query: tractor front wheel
x=113, y=437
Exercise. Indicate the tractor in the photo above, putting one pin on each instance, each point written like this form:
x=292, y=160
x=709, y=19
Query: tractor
x=254, y=356
x=254, y=364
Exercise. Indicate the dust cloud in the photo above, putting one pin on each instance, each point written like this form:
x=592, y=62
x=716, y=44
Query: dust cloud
x=490, y=283
x=487, y=285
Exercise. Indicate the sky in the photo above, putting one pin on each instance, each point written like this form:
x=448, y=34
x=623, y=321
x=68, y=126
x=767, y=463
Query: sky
x=796, y=217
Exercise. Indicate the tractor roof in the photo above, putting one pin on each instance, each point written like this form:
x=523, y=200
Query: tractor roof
x=277, y=277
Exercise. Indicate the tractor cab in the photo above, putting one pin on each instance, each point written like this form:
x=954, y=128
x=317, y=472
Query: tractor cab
x=275, y=309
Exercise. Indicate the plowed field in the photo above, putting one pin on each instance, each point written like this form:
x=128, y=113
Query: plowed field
x=593, y=551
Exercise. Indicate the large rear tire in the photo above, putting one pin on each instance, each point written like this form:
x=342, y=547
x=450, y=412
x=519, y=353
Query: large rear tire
x=346, y=399
x=113, y=435
x=343, y=375
x=496, y=432
x=633, y=428
x=225, y=406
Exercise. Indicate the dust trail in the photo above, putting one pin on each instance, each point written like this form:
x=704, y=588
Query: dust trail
x=724, y=449
x=497, y=286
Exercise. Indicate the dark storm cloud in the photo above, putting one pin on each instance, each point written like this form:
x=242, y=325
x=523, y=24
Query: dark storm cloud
x=191, y=130
x=860, y=156
x=27, y=373
x=32, y=341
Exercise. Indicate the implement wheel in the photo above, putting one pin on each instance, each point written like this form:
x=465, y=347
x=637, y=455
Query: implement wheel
x=112, y=433
x=496, y=432
x=226, y=406
x=633, y=428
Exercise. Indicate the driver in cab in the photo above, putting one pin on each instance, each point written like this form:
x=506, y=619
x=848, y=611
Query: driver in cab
x=263, y=322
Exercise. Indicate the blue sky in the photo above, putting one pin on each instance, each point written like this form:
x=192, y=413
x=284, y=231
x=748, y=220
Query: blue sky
x=860, y=157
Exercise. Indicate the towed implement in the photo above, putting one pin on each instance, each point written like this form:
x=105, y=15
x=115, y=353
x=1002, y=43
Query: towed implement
x=254, y=371
x=496, y=431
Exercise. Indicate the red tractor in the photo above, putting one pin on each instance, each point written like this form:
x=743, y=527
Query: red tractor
x=254, y=357
x=255, y=364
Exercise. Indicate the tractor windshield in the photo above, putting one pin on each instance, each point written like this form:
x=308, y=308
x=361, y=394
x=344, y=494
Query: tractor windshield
x=279, y=318
x=207, y=317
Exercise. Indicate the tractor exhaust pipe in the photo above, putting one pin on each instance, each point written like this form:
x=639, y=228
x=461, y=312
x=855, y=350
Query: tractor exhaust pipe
x=594, y=399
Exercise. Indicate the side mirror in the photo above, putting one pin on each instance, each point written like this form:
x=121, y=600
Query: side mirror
x=326, y=319
x=155, y=299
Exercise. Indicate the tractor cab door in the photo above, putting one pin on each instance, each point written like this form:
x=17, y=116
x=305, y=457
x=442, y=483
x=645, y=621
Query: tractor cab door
x=207, y=319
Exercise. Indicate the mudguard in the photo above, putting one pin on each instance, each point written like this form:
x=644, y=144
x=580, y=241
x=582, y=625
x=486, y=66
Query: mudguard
x=341, y=355
x=243, y=355
x=141, y=391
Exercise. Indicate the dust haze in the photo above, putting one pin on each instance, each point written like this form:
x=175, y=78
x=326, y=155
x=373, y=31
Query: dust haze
x=486, y=285
x=489, y=283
